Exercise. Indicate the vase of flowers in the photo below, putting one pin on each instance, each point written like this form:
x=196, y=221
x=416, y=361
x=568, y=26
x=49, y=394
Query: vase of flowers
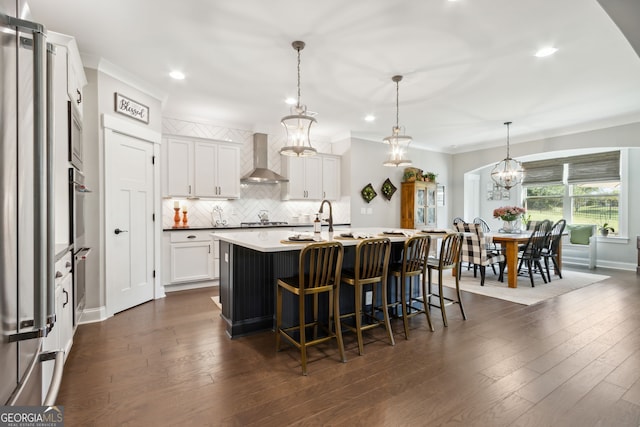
x=510, y=215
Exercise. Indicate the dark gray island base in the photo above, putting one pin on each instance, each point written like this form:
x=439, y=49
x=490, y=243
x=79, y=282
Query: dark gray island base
x=250, y=265
x=248, y=286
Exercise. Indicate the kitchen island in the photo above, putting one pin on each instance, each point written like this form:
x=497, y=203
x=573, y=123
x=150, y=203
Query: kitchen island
x=250, y=264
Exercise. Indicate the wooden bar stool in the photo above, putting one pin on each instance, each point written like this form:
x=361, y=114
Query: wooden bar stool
x=448, y=259
x=319, y=269
x=371, y=267
x=414, y=261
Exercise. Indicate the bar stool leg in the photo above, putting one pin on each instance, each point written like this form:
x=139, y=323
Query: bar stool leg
x=464, y=316
x=278, y=316
x=442, y=306
x=358, y=316
x=303, y=335
x=425, y=302
x=336, y=320
x=385, y=311
x=405, y=317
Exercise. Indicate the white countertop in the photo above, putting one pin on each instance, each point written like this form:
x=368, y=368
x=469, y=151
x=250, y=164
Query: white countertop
x=269, y=240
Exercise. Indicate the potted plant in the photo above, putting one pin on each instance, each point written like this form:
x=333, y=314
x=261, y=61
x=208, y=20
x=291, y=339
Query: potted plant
x=430, y=176
x=605, y=229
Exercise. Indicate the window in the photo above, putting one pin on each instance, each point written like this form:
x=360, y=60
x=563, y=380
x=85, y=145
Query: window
x=581, y=189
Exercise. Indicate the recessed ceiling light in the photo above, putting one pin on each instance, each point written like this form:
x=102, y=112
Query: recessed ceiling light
x=290, y=101
x=369, y=118
x=546, y=51
x=178, y=75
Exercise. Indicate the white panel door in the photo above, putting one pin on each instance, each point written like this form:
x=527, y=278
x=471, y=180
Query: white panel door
x=129, y=225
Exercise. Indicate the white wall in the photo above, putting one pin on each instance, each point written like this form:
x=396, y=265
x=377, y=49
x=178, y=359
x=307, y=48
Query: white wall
x=367, y=159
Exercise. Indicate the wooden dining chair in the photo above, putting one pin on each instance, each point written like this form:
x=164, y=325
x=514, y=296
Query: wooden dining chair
x=319, y=269
x=550, y=251
x=531, y=252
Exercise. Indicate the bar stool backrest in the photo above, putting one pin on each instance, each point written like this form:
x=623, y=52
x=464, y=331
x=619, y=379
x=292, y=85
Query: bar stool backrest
x=416, y=251
x=372, y=260
x=320, y=265
x=450, y=250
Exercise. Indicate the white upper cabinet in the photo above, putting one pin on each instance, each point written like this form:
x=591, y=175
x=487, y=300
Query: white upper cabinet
x=331, y=177
x=307, y=179
x=202, y=169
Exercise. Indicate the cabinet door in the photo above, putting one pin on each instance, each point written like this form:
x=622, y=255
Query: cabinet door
x=331, y=178
x=66, y=320
x=206, y=169
x=228, y=168
x=74, y=82
x=179, y=168
x=295, y=173
x=191, y=261
x=313, y=177
x=420, y=207
x=431, y=206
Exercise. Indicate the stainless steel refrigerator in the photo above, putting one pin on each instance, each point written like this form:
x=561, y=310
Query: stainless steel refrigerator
x=26, y=217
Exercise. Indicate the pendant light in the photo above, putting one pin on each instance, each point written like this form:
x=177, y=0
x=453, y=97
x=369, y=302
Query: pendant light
x=298, y=123
x=399, y=143
x=509, y=172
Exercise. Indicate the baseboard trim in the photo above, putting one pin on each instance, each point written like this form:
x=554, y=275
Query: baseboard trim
x=192, y=285
x=93, y=315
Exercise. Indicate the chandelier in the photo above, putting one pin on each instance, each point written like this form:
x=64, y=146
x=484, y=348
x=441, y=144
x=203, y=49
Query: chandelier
x=298, y=123
x=399, y=143
x=508, y=173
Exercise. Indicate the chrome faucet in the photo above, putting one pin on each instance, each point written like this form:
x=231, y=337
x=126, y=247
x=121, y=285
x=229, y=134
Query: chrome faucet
x=330, y=213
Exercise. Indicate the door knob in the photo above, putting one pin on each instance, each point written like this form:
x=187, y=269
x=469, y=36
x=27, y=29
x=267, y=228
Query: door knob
x=118, y=231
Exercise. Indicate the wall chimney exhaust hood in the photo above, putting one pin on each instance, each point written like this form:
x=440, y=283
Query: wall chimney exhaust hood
x=260, y=174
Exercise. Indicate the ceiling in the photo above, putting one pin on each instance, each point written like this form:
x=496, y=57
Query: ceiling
x=468, y=65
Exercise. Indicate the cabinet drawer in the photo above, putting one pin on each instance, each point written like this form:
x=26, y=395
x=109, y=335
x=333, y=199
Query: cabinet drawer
x=63, y=266
x=190, y=236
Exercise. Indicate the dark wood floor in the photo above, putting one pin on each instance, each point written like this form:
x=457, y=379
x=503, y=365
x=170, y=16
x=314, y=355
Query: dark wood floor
x=570, y=361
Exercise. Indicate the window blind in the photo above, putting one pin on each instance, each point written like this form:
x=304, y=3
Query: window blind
x=594, y=167
x=543, y=172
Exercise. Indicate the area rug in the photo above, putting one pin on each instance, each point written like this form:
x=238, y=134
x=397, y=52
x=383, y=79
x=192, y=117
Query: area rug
x=216, y=301
x=524, y=293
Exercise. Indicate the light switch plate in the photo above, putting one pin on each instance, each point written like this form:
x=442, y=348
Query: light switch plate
x=368, y=298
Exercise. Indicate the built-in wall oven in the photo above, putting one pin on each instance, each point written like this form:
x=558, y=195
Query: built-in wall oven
x=77, y=194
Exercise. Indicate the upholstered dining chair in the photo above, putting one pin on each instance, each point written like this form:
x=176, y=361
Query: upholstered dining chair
x=370, y=270
x=319, y=269
x=550, y=251
x=449, y=258
x=412, y=266
x=474, y=251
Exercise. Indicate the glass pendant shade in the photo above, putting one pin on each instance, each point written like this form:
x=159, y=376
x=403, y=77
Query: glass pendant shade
x=509, y=172
x=397, y=154
x=399, y=143
x=298, y=123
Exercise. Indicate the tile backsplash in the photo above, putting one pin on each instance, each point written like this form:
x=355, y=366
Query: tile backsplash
x=246, y=209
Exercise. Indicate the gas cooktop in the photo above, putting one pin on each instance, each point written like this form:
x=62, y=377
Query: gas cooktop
x=263, y=223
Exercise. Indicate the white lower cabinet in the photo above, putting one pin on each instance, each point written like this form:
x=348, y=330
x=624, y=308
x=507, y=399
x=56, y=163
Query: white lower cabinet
x=61, y=335
x=190, y=256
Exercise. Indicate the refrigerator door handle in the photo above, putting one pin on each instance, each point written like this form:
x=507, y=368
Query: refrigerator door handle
x=56, y=380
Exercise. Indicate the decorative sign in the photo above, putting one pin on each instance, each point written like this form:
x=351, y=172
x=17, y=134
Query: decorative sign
x=131, y=108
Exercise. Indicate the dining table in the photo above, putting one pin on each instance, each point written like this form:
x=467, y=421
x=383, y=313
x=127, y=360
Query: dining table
x=510, y=243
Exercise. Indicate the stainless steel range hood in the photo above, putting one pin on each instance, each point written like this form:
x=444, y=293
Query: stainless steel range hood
x=261, y=174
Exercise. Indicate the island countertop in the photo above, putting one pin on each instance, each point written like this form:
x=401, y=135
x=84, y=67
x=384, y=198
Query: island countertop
x=270, y=240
